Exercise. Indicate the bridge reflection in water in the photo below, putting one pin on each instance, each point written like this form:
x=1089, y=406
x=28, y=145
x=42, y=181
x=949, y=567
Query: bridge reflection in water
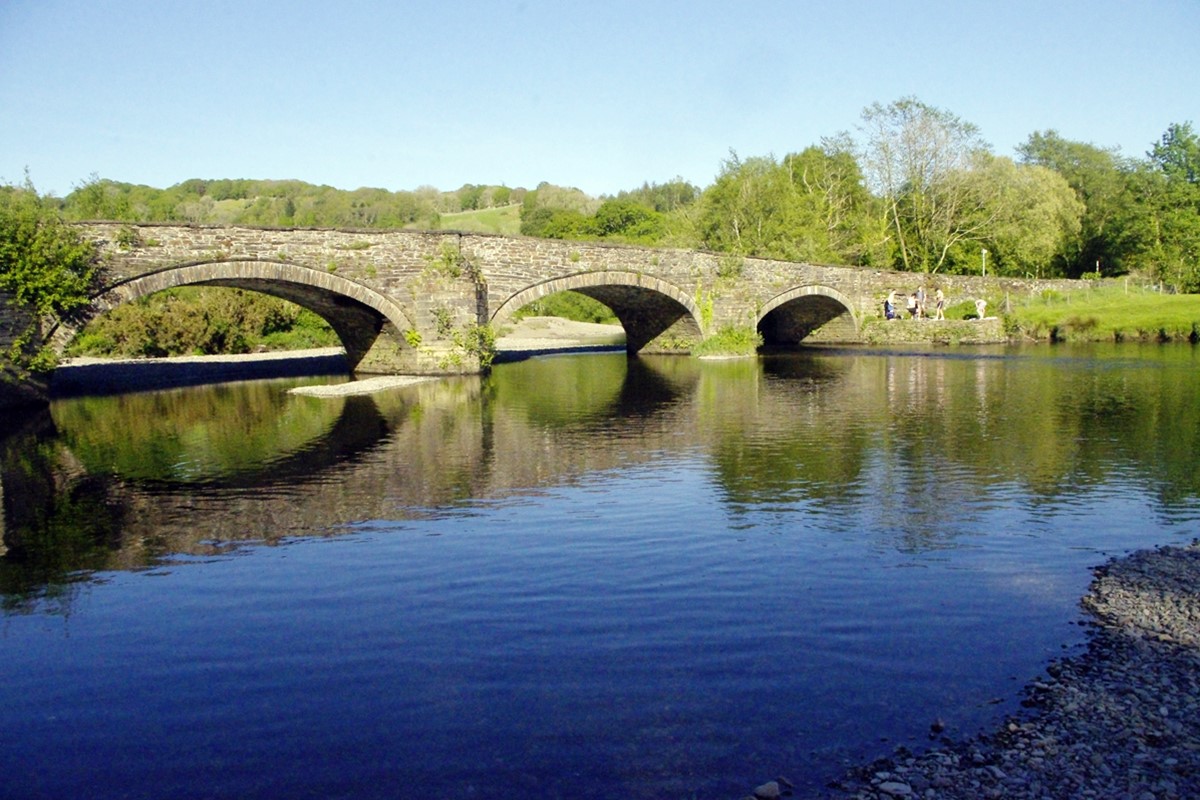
x=152, y=474
x=585, y=576
x=124, y=481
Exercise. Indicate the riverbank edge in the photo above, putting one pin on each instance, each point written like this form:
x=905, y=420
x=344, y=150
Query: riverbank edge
x=100, y=376
x=1120, y=720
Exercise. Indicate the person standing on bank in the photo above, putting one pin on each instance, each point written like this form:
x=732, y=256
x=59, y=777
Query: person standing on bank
x=939, y=301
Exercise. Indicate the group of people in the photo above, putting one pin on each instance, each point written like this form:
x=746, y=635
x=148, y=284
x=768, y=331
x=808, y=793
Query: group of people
x=916, y=305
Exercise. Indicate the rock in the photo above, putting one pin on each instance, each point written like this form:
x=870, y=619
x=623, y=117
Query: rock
x=768, y=791
x=1119, y=722
x=896, y=789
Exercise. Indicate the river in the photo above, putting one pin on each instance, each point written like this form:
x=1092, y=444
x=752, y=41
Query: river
x=581, y=576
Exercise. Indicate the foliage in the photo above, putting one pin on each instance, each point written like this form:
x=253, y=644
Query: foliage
x=1169, y=189
x=46, y=267
x=730, y=340
x=626, y=220
x=663, y=197
x=743, y=211
x=569, y=305
x=1024, y=215
x=812, y=206
x=1102, y=182
x=918, y=158
x=553, y=223
x=201, y=321
x=277, y=203
x=1177, y=154
x=478, y=341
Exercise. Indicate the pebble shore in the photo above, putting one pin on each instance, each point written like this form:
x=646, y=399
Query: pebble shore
x=1119, y=722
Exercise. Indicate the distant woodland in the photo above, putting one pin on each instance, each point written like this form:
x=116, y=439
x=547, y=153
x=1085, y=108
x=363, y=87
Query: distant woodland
x=914, y=188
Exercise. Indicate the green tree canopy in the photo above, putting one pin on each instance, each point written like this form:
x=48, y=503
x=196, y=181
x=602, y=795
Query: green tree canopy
x=46, y=267
x=917, y=159
x=1170, y=193
x=1101, y=179
x=1025, y=215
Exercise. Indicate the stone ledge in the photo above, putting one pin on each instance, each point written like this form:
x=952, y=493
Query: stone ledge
x=928, y=331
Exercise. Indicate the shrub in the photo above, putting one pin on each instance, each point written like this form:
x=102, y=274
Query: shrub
x=730, y=340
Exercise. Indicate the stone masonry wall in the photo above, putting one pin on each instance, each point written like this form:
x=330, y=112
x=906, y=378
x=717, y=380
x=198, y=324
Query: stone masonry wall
x=427, y=287
x=420, y=270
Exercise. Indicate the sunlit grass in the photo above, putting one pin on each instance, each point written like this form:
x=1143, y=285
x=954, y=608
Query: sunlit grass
x=505, y=220
x=1109, y=314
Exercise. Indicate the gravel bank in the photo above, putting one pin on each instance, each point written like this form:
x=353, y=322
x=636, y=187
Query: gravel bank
x=379, y=383
x=534, y=336
x=1119, y=722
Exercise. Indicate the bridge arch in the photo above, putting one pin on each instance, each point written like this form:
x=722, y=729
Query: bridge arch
x=789, y=317
x=647, y=307
x=356, y=312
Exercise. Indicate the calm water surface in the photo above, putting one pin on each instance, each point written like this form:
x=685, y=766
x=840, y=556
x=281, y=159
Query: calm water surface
x=581, y=577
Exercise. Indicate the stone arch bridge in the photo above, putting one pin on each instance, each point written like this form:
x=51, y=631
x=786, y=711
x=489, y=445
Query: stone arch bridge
x=410, y=301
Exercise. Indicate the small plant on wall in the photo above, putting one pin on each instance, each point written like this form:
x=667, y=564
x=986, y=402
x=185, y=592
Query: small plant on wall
x=444, y=321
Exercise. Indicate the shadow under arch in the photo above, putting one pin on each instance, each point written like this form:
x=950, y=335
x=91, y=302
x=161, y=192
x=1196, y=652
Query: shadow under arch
x=789, y=317
x=646, y=307
x=356, y=313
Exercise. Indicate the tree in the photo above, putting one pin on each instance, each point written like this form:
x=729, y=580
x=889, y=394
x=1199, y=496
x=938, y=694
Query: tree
x=915, y=158
x=830, y=206
x=812, y=206
x=1027, y=215
x=96, y=198
x=1170, y=190
x=742, y=212
x=553, y=223
x=663, y=197
x=46, y=267
x=626, y=221
x=1112, y=222
x=1177, y=154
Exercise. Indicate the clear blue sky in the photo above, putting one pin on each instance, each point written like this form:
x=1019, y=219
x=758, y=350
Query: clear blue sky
x=600, y=95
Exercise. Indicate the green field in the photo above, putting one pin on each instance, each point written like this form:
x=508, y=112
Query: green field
x=1109, y=313
x=505, y=220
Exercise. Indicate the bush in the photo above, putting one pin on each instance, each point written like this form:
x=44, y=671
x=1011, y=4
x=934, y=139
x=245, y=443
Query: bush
x=202, y=321
x=730, y=341
x=568, y=305
x=46, y=267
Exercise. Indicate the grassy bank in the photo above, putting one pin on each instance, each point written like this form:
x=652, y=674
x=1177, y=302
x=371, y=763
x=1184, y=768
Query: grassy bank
x=505, y=220
x=1110, y=313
